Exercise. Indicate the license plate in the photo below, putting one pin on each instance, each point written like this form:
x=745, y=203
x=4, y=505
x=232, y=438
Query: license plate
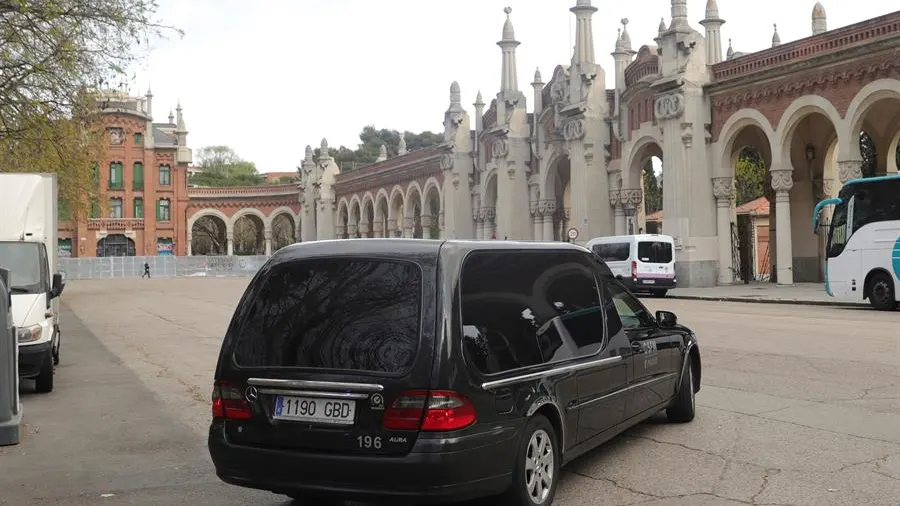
x=649, y=281
x=315, y=410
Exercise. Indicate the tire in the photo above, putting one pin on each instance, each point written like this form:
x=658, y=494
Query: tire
x=535, y=475
x=660, y=293
x=684, y=407
x=44, y=382
x=881, y=292
x=56, y=349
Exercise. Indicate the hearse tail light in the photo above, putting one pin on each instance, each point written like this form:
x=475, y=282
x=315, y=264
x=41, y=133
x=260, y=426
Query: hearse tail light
x=433, y=411
x=228, y=402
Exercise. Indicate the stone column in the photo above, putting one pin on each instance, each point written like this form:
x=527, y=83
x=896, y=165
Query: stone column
x=615, y=199
x=352, y=231
x=408, y=227
x=547, y=208
x=479, y=228
x=723, y=190
x=378, y=228
x=536, y=218
x=849, y=169
x=392, y=228
x=632, y=199
x=267, y=235
x=229, y=243
x=340, y=232
x=441, y=226
x=364, y=229
x=190, y=249
x=782, y=182
x=427, y=223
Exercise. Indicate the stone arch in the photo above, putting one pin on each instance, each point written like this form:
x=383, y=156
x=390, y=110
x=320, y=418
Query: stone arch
x=736, y=124
x=246, y=241
x=557, y=186
x=643, y=148
x=213, y=213
x=367, y=215
x=208, y=231
x=414, y=210
x=801, y=109
x=859, y=118
x=282, y=210
x=382, y=211
x=432, y=208
x=636, y=205
x=396, y=211
x=546, y=177
x=343, y=218
x=411, y=190
x=355, y=217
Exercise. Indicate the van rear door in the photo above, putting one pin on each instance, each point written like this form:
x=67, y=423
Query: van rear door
x=655, y=259
x=320, y=350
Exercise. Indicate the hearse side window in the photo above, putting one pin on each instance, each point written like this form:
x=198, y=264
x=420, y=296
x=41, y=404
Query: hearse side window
x=613, y=252
x=526, y=308
x=655, y=252
x=631, y=312
x=335, y=314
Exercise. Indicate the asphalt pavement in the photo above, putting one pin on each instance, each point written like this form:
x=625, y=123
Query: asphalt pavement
x=800, y=406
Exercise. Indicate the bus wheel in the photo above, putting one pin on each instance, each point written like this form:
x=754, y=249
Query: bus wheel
x=881, y=292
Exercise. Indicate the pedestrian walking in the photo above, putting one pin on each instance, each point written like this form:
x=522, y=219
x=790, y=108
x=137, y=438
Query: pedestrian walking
x=146, y=271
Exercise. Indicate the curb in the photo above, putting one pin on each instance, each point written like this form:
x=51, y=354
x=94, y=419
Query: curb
x=796, y=302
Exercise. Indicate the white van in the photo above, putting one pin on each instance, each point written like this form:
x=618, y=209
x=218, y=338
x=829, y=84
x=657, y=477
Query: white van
x=643, y=263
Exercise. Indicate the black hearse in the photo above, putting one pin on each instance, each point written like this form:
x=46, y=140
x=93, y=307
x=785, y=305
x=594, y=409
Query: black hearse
x=435, y=371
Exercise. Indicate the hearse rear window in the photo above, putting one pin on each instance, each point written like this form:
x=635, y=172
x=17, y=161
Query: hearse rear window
x=613, y=252
x=336, y=314
x=655, y=252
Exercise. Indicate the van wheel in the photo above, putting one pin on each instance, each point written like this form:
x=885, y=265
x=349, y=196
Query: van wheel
x=536, y=470
x=660, y=293
x=684, y=407
x=44, y=382
x=881, y=292
x=56, y=348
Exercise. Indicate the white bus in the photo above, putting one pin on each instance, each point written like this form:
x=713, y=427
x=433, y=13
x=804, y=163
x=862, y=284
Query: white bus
x=863, y=248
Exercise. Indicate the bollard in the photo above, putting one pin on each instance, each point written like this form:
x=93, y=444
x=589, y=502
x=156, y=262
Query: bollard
x=10, y=406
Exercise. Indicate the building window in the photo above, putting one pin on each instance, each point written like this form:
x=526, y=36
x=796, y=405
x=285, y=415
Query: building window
x=139, y=208
x=165, y=175
x=163, y=210
x=115, y=208
x=138, y=176
x=115, y=175
x=138, y=139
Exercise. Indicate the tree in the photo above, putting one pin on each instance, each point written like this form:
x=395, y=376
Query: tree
x=221, y=166
x=371, y=140
x=208, y=237
x=653, y=196
x=749, y=176
x=869, y=155
x=53, y=55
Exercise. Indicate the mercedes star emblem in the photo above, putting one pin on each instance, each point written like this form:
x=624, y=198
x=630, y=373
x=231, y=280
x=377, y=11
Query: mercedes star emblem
x=251, y=394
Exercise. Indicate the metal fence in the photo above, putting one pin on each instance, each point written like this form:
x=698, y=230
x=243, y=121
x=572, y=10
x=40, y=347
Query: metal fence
x=160, y=266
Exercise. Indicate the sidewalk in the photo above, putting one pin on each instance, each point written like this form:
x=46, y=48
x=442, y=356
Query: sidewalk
x=768, y=293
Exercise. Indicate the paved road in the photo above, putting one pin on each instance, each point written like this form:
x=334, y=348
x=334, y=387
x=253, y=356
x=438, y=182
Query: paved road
x=800, y=406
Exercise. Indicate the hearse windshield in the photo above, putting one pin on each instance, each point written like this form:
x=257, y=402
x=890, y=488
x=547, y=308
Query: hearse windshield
x=335, y=314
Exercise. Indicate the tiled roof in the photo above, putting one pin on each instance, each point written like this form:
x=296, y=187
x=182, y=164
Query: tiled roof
x=758, y=207
x=655, y=216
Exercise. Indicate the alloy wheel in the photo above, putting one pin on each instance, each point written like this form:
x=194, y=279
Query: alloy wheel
x=539, y=467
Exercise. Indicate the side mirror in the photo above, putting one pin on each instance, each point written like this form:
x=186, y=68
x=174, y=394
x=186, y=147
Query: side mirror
x=666, y=319
x=59, y=283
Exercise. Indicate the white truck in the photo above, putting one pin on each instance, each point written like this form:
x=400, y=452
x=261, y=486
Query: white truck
x=28, y=250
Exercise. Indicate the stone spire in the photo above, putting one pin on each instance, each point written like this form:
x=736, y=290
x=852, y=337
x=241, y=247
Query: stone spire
x=171, y=117
x=584, y=32
x=622, y=55
x=149, y=97
x=382, y=154
x=180, y=121
x=819, y=19
x=308, y=158
x=538, y=86
x=455, y=98
x=662, y=26
x=479, y=112
x=730, y=52
x=713, y=24
x=401, y=146
x=323, y=149
x=509, y=81
x=679, y=14
x=776, y=39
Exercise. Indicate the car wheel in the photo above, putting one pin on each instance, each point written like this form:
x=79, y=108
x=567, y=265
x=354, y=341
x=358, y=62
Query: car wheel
x=44, y=381
x=536, y=470
x=881, y=292
x=684, y=407
x=660, y=293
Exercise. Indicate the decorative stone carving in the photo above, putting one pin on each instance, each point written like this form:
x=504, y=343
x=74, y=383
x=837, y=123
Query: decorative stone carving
x=669, y=105
x=687, y=135
x=340, y=231
x=408, y=222
x=782, y=180
x=849, y=169
x=722, y=188
x=534, y=208
x=499, y=148
x=447, y=161
x=632, y=197
x=547, y=207
x=392, y=225
x=378, y=229
x=352, y=229
x=116, y=136
x=573, y=129
x=427, y=221
x=558, y=92
x=828, y=187
x=364, y=228
x=441, y=220
x=615, y=198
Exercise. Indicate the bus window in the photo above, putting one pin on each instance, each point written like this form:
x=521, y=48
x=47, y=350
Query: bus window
x=837, y=235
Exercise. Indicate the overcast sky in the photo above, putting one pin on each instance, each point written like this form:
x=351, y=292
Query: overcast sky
x=268, y=77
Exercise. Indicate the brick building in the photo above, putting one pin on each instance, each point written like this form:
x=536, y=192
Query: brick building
x=143, y=185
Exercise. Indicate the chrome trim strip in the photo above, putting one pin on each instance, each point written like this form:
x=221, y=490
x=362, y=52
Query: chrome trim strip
x=316, y=385
x=308, y=393
x=622, y=391
x=489, y=385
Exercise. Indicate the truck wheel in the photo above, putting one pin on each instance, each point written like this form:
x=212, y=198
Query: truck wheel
x=44, y=382
x=56, y=348
x=881, y=292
